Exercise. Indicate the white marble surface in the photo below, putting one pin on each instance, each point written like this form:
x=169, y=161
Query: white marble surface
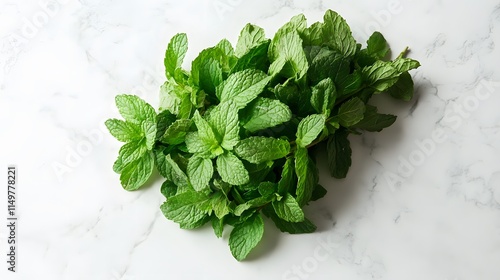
x=400, y=214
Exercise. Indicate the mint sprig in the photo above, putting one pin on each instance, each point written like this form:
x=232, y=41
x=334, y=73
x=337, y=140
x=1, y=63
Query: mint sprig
x=234, y=137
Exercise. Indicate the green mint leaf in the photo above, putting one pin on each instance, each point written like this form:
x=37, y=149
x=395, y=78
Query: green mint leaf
x=313, y=35
x=176, y=51
x=325, y=63
x=251, y=204
x=226, y=47
x=267, y=188
x=323, y=97
x=224, y=120
x=202, y=146
x=242, y=87
x=250, y=36
x=218, y=204
x=373, y=121
x=135, y=110
x=231, y=169
x=183, y=209
x=259, y=149
x=200, y=171
x=210, y=75
x=350, y=84
x=246, y=236
x=204, y=140
x=163, y=121
x=309, y=129
x=160, y=160
x=149, y=129
x=294, y=228
x=339, y=154
x=132, y=151
x=287, y=181
x=118, y=165
x=169, y=97
x=124, y=131
x=307, y=176
x=403, y=88
x=136, y=173
x=289, y=58
x=168, y=189
x=299, y=100
x=207, y=69
x=296, y=24
x=186, y=106
x=405, y=64
x=254, y=58
x=218, y=226
x=381, y=75
x=351, y=112
x=264, y=113
x=377, y=45
x=288, y=209
x=176, y=175
x=176, y=132
x=337, y=34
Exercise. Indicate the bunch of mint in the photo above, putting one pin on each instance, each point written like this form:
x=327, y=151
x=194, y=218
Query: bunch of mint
x=233, y=136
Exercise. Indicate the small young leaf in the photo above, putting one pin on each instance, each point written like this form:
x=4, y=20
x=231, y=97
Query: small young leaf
x=176, y=51
x=176, y=175
x=124, y=131
x=337, y=34
x=149, y=130
x=176, y=133
x=377, y=45
x=309, y=129
x=137, y=172
x=132, y=151
x=224, y=121
x=200, y=171
x=183, y=209
x=288, y=209
x=323, y=97
x=135, y=110
x=351, y=112
x=264, y=113
x=246, y=236
x=231, y=169
x=250, y=36
x=289, y=59
x=242, y=87
x=204, y=140
x=261, y=149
